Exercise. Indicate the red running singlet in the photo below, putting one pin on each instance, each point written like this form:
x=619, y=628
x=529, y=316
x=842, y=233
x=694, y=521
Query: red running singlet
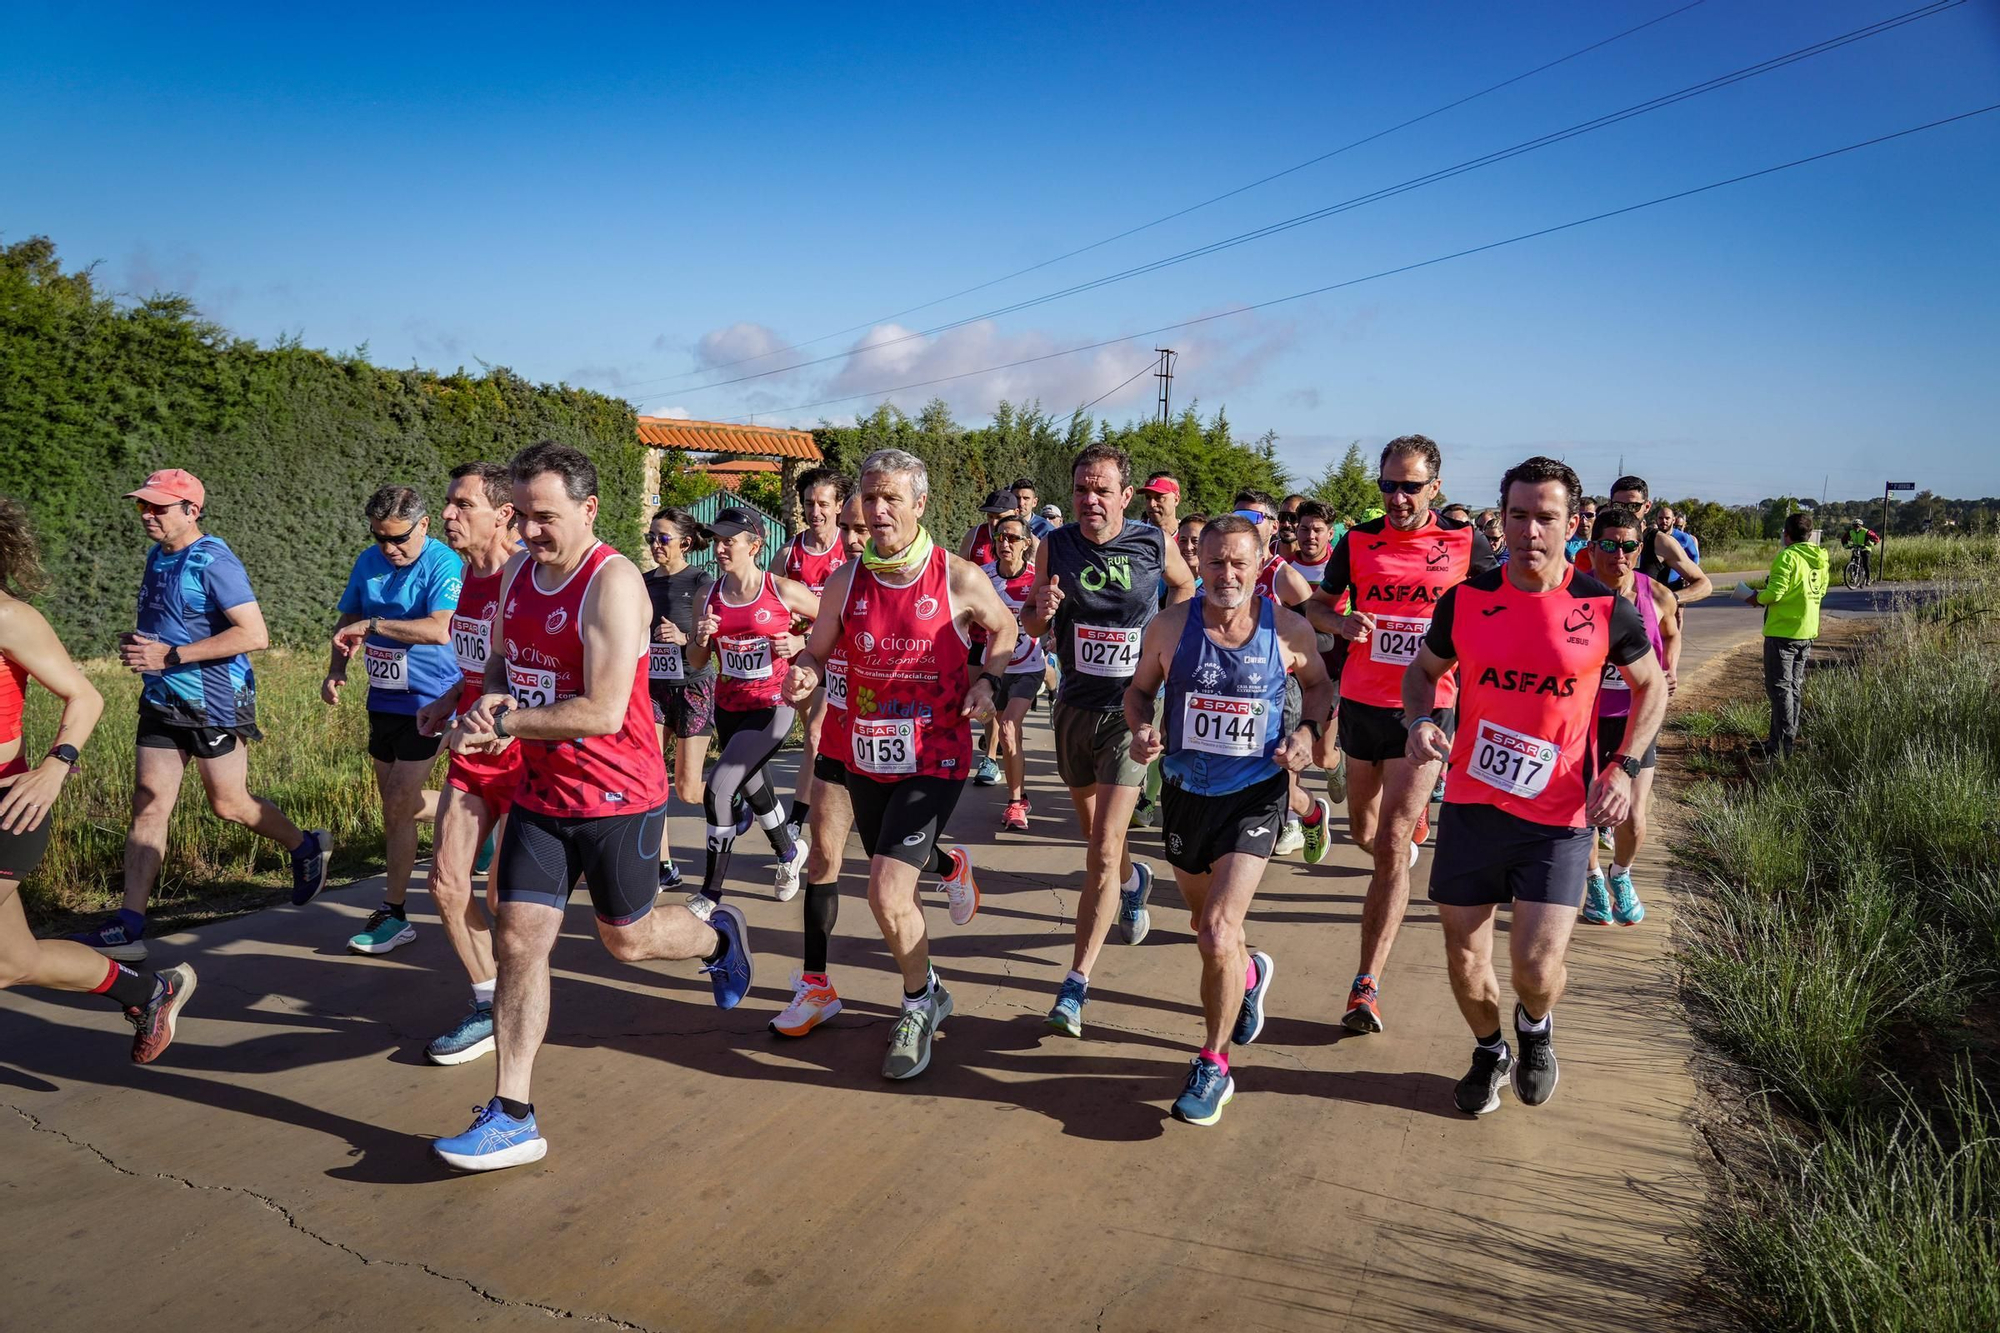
x=471, y=643
x=1028, y=655
x=906, y=676
x=833, y=740
x=982, y=545
x=13, y=698
x=802, y=566
x=749, y=673
x=1528, y=669
x=1398, y=577
x=591, y=776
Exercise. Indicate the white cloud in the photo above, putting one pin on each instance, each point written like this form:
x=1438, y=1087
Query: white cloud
x=743, y=341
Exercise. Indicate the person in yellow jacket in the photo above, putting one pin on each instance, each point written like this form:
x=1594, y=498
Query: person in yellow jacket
x=1790, y=597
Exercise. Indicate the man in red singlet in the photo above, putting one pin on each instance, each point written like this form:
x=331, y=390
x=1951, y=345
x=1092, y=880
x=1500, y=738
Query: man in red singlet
x=1531, y=641
x=810, y=558
x=903, y=617
x=1387, y=574
x=567, y=681
x=478, y=787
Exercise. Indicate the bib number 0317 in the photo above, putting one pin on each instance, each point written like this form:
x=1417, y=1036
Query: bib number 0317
x=1512, y=761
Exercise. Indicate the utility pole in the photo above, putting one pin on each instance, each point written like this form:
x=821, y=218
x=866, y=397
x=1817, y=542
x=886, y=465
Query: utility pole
x=1165, y=375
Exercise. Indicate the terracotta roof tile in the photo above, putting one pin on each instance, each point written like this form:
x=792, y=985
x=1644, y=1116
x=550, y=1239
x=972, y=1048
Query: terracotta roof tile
x=719, y=437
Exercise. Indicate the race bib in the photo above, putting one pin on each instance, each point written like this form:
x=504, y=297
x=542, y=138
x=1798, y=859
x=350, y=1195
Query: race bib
x=1396, y=640
x=1109, y=651
x=836, y=684
x=471, y=639
x=1614, y=679
x=1512, y=761
x=1221, y=724
x=664, y=662
x=885, y=745
x=745, y=659
x=531, y=687
x=388, y=668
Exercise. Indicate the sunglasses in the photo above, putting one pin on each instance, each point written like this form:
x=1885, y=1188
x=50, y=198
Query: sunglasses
x=148, y=507
x=382, y=539
x=1610, y=547
x=1387, y=487
x=661, y=538
x=1287, y=516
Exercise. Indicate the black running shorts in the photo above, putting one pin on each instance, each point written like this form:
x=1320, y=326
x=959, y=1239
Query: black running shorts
x=1611, y=739
x=543, y=856
x=394, y=738
x=1485, y=855
x=1373, y=734
x=904, y=819
x=828, y=769
x=1019, y=685
x=1201, y=830
x=157, y=733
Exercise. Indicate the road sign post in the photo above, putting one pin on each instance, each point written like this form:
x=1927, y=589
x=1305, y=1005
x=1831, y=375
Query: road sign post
x=1882, y=560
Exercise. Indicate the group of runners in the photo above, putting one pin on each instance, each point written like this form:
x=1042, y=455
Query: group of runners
x=1222, y=658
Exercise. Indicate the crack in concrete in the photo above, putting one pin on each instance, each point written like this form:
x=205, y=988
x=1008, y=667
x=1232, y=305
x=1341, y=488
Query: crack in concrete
x=291, y=1219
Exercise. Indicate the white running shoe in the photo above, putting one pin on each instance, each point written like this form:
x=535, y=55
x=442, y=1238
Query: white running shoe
x=788, y=872
x=812, y=1004
x=1290, y=838
x=961, y=890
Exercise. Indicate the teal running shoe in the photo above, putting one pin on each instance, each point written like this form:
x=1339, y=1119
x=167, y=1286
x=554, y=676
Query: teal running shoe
x=470, y=1039
x=1596, y=900
x=1626, y=909
x=384, y=932
x=1134, y=921
x=1067, y=1015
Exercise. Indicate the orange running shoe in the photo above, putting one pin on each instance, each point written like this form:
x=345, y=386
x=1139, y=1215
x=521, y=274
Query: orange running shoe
x=813, y=1002
x=1363, y=1010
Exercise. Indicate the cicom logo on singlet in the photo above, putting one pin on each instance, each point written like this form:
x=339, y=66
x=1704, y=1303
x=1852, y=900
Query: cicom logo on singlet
x=1116, y=572
x=557, y=619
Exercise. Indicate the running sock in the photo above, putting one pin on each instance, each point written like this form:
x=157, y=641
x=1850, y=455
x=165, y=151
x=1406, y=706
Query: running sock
x=482, y=992
x=395, y=910
x=721, y=947
x=134, y=922
x=1368, y=977
x=1617, y=870
x=923, y=996
x=1311, y=818
x=519, y=1110
x=1131, y=884
x=1075, y=975
x=127, y=989
x=940, y=862
x=822, y=910
x=801, y=812
x=308, y=847
x=1250, y=976
x=1219, y=1059
x=1522, y=1023
x=815, y=979
x=1493, y=1042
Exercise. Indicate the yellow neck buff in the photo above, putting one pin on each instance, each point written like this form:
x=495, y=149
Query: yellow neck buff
x=903, y=562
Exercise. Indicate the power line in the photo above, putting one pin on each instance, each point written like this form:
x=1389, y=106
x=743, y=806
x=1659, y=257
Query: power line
x=1717, y=83
x=1191, y=208
x=1406, y=268
x=1114, y=389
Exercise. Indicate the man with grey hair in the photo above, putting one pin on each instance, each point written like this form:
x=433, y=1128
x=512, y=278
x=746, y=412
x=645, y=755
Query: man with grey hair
x=396, y=615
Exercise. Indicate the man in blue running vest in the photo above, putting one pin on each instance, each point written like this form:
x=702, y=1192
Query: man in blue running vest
x=1224, y=658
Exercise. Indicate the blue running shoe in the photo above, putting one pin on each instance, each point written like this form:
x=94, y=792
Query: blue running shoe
x=309, y=866
x=1596, y=901
x=1067, y=1016
x=470, y=1039
x=116, y=938
x=1208, y=1091
x=1250, y=1018
x=731, y=973
x=1626, y=909
x=495, y=1140
x=987, y=773
x=1134, y=921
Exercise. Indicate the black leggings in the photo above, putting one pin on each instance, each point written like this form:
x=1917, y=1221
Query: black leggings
x=749, y=741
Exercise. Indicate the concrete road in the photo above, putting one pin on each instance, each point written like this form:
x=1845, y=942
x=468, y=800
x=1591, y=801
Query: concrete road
x=273, y=1170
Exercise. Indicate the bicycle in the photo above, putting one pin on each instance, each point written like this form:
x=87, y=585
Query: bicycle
x=1858, y=575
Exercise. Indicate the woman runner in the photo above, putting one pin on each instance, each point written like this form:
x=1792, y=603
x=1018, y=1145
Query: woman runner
x=683, y=697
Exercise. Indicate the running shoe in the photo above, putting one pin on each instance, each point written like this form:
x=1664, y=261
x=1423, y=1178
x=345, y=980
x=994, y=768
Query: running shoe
x=1318, y=835
x=1067, y=1015
x=1626, y=909
x=670, y=877
x=309, y=866
x=1437, y=788
x=1290, y=838
x=813, y=1002
x=910, y=1040
x=730, y=974
x=154, y=1021
x=1364, y=1009
x=1145, y=814
x=701, y=905
x=1479, y=1091
x=1336, y=781
x=1535, y=1070
x=1604, y=843
x=1134, y=921
x=1596, y=901
x=1250, y=1018
x=484, y=861
x=1419, y=833
x=961, y=890
x=787, y=885
x=1208, y=1090
x=1015, y=816
x=470, y=1039
x=384, y=932
x=987, y=773
x=495, y=1140
x=111, y=938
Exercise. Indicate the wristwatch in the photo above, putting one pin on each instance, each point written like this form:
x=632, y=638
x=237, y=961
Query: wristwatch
x=174, y=656
x=66, y=753
x=500, y=721
x=1312, y=724
x=998, y=685
x=1626, y=762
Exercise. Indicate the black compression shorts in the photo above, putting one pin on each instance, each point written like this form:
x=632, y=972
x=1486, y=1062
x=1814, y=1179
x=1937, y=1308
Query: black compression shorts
x=1486, y=856
x=543, y=856
x=1201, y=830
x=904, y=819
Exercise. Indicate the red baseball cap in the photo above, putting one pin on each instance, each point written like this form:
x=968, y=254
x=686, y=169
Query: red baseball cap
x=170, y=485
x=1163, y=486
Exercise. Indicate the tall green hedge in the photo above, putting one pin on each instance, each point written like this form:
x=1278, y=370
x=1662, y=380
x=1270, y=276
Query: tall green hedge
x=289, y=442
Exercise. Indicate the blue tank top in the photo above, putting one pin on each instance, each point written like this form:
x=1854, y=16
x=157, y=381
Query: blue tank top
x=1224, y=707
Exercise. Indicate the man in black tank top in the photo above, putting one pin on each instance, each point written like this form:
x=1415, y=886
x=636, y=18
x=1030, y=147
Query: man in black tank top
x=1661, y=555
x=1097, y=583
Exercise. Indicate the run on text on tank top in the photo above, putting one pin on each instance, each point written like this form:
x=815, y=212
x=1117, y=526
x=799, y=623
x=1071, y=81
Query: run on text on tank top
x=1109, y=597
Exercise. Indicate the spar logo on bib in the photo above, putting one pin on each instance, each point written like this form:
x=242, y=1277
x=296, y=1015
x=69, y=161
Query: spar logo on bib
x=557, y=619
x=927, y=606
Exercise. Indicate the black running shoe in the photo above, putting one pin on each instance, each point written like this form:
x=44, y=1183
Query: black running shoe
x=1479, y=1091
x=153, y=1023
x=1535, y=1070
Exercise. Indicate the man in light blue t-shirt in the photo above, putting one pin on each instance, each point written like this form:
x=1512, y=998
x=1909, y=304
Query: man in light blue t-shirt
x=395, y=619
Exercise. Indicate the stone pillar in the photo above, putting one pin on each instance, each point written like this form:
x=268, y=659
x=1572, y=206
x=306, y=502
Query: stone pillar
x=790, y=512
x=649, y=499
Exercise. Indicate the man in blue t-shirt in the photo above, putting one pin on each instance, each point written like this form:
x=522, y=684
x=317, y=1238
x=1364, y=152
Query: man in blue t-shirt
x=395, y=618
x=198, y=623
x=1025, y=498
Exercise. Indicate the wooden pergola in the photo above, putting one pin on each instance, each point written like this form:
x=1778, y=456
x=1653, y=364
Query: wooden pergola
x=792, y=450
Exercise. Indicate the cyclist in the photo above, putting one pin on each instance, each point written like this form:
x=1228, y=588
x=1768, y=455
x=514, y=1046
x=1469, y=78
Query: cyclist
x=1859, y=540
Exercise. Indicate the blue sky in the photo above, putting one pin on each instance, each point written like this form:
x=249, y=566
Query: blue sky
x=621, y=197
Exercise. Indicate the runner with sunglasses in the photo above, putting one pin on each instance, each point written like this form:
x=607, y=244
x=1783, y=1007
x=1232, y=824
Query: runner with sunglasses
x=1617, y=540
x=395, y=617
x=1390, y=571
x=1013, y=578
x=683, y=696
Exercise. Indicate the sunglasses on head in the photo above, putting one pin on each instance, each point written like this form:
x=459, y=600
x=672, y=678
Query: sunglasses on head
x=385, y=539
x=1609, y=547
x=1388, y=487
